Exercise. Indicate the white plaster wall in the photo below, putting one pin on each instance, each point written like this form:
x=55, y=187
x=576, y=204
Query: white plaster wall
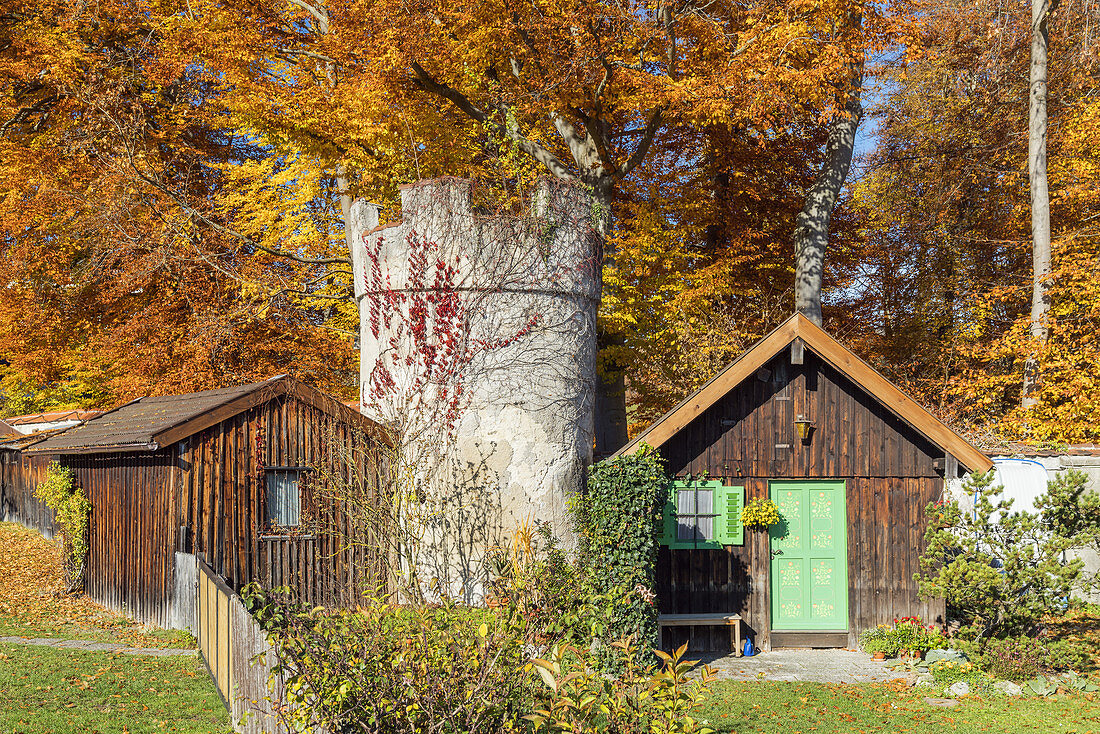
x=523, y=436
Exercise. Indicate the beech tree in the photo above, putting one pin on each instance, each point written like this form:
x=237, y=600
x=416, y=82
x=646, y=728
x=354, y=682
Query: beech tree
x=811, y=234
x=379, y=92
x=112, y=290
x=1040, y=196
x=946, y=272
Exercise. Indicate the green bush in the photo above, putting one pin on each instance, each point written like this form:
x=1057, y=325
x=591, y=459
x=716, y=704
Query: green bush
x=71, y=509
x=1000, y=571
x=1013, y=658
x=904, y=635
x=876, y=639
x=563, y=600
x=385, y=668
x=1023, y=658
x=946, y=672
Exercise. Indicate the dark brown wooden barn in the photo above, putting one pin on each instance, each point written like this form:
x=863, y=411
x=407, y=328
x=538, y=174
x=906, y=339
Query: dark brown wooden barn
x=222, y=473
x=851, y=493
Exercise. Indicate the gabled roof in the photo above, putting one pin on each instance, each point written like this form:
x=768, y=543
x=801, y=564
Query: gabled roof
x=20, y=441
x=148, y=423
x=841, y=358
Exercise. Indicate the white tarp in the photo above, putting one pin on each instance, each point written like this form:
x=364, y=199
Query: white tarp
x=1023, y=481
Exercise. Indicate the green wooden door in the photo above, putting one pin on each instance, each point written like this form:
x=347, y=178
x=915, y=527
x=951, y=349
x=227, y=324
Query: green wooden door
x=809, y=566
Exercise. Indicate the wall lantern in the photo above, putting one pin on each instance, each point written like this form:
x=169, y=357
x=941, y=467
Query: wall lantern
x=805, y=427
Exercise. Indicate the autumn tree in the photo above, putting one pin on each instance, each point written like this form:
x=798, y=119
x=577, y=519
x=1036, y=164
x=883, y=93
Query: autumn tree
x=945, y=276
x=113, y=290
x=377, y=93
x=811, y=233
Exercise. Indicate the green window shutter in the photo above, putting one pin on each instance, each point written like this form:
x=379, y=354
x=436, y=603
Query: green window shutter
x=728, y=529
x=668, y=524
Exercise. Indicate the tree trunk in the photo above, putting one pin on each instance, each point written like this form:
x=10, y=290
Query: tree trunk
x=1040, y=197
x=811, y=233
x=610, y=424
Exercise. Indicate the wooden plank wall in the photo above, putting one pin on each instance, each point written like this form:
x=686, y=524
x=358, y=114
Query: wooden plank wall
x=131, y=556
x=19, y=475
x=221, y=489
x=749, y=438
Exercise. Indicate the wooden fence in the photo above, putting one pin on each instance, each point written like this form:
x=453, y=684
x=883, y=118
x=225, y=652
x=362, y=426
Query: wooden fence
x=235, y=652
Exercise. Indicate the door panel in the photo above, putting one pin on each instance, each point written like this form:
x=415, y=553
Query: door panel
x=809, y=566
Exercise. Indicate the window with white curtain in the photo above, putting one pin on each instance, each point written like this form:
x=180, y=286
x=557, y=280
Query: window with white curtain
x=283, y=495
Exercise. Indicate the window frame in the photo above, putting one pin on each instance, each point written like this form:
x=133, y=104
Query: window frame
x=272, y=528
x=726, y=504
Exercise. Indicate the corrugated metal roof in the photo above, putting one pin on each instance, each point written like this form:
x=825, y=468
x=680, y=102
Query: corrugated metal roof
x=20, y=441
x=133, y=426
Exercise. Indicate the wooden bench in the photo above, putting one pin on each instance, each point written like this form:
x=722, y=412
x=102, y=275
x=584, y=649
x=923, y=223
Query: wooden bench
x=706, y=620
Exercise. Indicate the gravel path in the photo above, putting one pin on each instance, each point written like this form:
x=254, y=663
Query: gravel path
x=95, y=646
x=805, y=665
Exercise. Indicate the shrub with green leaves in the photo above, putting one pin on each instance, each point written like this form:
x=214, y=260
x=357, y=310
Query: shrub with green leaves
x=904, y=635
x=71, y=509
x=946, y=672
x=877, y=639
x=391, y=669
x=1000, y=571
x=1023, y=658
x=579, y=699
x=564, y=600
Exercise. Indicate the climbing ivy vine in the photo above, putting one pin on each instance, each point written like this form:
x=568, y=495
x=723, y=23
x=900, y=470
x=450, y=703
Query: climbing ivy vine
x=71, y=512
x=617, y=522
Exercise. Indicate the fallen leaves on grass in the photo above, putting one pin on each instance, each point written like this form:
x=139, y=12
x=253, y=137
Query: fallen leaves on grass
x=33, y=601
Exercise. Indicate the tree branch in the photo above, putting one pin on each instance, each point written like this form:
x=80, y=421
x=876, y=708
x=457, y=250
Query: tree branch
x=230, y=232
x=318, y=13
x=639, y=154
x=425, y=81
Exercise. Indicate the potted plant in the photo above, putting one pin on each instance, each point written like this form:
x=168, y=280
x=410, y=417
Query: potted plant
x=877, y=642
x=913, y=638
x=760, y=514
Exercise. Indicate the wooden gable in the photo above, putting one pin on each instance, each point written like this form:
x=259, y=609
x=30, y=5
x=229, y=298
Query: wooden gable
x=863, y=418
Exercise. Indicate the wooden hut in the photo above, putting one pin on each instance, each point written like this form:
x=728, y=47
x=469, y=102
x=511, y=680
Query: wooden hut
x=222, y=473
x=20, y=474
x=850, y=461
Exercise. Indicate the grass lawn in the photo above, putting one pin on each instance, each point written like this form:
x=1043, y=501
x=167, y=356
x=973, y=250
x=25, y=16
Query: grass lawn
x=790, y=708
x=51, y=691
x=33, y=602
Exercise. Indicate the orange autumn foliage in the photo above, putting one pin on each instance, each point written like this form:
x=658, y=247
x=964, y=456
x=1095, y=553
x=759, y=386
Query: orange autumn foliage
x=944, y=268
x=111, y=289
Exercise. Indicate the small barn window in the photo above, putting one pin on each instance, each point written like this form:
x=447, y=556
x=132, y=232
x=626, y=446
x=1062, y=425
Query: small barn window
x=703, y=514
x=284, y=495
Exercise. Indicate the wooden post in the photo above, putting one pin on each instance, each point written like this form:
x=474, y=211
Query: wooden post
x=798, y=348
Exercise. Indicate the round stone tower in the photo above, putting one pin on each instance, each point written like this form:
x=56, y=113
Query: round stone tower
x=478, y=345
